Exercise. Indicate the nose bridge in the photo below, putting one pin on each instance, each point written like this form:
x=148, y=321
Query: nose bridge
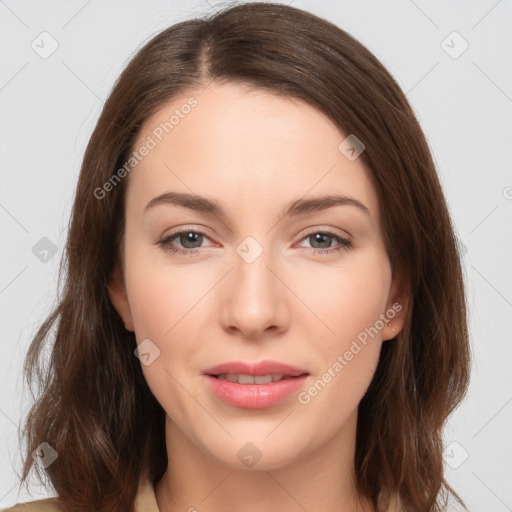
x=252, y=264
x=255, y=294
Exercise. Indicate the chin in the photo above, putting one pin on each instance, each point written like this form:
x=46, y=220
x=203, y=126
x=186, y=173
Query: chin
x=259, y=452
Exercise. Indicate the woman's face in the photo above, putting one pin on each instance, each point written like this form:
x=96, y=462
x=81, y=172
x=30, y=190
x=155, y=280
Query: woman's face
x=249, y=284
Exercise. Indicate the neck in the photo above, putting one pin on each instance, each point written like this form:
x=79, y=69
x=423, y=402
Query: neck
x=319, y=480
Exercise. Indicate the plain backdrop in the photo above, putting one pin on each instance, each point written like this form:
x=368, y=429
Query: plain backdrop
x=452, y=59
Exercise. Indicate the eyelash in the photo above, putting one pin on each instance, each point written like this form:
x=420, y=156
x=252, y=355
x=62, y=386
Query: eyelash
x=344, y=243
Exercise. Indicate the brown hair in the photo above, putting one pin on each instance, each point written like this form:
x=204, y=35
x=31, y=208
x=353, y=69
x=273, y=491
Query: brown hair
x=95, y=408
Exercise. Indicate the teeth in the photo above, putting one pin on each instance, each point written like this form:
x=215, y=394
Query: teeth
x=245, y=379
x=250, y=379
x=263, y=379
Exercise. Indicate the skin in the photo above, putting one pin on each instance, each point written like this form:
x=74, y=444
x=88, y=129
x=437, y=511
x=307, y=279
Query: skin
x=254, y=152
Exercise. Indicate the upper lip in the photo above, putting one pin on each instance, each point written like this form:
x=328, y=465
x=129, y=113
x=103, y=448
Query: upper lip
x=255, y=369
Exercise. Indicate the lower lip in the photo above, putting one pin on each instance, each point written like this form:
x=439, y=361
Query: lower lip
x=254, y=396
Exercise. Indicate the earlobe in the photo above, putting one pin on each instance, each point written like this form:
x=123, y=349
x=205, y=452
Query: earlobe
x=119, y=298
x=396, y=310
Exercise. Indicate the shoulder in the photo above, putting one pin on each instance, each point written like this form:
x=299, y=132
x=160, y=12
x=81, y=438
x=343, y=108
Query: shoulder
x=46, y=505
x=145, y=501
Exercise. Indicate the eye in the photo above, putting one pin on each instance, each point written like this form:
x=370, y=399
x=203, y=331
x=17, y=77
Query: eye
x=191, y=241
x=325, y=238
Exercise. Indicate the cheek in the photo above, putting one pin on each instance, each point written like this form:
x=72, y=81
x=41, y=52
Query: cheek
x=165, y=301
x=162, y=301
x=347, y=298
x=162, y=295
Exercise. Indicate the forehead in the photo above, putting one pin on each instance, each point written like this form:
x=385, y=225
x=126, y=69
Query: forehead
x=249, y=145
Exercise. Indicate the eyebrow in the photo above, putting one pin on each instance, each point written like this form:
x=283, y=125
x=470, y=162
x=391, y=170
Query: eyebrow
x=294, y=208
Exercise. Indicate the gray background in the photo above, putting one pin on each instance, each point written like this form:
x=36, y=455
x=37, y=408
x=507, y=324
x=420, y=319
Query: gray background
x=464, y=103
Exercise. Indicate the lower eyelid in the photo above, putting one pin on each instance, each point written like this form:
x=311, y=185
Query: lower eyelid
x=343, y=243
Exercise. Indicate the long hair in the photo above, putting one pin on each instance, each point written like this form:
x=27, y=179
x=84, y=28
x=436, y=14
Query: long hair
x=94, y=407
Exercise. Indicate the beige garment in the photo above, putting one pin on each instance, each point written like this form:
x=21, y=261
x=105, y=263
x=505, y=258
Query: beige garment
x=145, y=501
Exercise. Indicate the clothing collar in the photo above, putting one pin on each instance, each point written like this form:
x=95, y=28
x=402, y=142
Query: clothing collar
x=145, y=501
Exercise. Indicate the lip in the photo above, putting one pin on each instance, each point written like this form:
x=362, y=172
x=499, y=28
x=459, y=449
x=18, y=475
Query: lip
x=254, y=396
x=255, y=369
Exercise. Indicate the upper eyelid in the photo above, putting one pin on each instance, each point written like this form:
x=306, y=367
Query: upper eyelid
x=310, y=231
x=334, y=231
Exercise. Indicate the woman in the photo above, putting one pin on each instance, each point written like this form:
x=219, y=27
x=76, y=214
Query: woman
x=204, y=358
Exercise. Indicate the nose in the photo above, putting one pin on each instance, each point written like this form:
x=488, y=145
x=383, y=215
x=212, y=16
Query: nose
x=254, y=297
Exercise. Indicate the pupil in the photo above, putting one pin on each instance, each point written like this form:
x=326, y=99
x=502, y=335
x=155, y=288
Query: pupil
x=318, y=238
x=190, y=238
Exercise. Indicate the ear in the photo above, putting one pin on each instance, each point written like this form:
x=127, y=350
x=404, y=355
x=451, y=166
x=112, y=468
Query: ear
x=396, y=309
x=117, y=293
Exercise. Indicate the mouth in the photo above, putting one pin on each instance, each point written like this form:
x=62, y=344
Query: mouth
x=247, y=370
x=254, y=385
x=241, y=378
